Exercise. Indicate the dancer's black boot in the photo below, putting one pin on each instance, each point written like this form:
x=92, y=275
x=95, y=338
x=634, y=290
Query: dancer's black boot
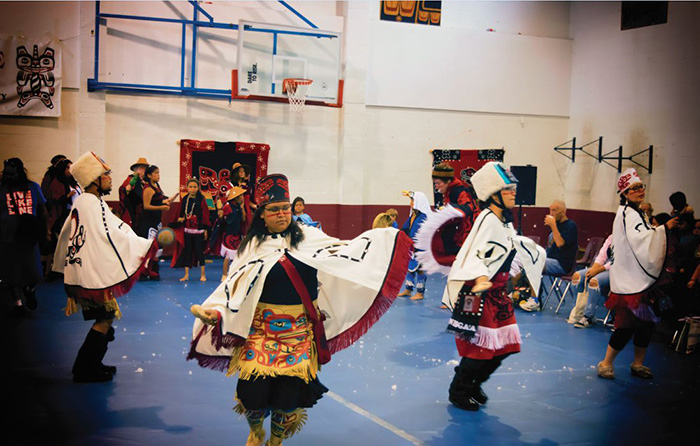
x=483, y=374
x=109, y=337
x=87, y=367
x=462, y=386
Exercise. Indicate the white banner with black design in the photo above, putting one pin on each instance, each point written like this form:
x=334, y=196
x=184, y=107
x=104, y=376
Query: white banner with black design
x=30, y=76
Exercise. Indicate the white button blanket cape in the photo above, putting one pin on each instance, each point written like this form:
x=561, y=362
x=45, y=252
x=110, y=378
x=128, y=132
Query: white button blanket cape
x=99, y=255
x=358, y=281
x=639, y=252
x=484, y=251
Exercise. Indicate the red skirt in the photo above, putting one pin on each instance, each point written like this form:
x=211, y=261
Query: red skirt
x=631, y=309
x=498, y=333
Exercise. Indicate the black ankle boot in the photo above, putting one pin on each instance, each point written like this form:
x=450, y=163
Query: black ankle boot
x=461, y=390
x=87, y=367
x=478, y=394
x=107, y=338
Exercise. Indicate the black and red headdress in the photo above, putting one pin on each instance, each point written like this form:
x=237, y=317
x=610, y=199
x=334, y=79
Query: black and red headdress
x=272, y=188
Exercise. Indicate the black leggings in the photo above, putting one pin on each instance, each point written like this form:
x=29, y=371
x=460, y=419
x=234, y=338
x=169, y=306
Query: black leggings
x=641, y=333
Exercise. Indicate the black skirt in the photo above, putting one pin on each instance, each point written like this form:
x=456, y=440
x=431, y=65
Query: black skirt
x=280, y=392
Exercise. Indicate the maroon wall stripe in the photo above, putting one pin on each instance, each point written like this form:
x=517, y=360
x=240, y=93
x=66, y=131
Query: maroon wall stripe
x=347, y=221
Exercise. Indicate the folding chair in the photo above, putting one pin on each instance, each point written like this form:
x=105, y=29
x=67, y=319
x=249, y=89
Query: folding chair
x=591, y=252
x=606, y=319
x=557, y=282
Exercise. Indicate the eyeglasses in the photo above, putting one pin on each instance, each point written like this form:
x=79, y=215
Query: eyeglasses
x=512, y=188
x=277, y=209
x=637, y=188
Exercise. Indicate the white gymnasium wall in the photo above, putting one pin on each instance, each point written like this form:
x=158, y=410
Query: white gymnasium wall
x=635, y=88
x=355, y=155
x=451, y=68
x=386, y=149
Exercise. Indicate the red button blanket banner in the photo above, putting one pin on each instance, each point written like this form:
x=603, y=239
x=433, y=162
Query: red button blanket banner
x=211, y=161
x=465, y=163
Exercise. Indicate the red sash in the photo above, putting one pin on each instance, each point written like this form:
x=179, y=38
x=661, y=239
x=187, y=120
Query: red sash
x=316, y=317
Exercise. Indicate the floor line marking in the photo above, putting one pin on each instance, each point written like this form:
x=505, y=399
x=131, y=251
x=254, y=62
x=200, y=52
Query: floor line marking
x=385, y=424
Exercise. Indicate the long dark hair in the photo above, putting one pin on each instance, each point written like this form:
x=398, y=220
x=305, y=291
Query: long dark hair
x=294, y=204
x=61, y=173
x=258, y=231
x=51, y=171
x=20, y=181
x=149, y=170
x=197, y=199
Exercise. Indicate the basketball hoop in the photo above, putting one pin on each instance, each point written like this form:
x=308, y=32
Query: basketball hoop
x=296, y=90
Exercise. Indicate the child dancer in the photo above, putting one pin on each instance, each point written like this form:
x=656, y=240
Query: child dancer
x=194, y=216
x=233, y=219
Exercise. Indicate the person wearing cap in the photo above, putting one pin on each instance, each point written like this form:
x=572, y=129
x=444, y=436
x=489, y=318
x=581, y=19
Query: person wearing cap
x=637, y=276
x=461, y=197
x=416, y=278
x=131, y=193
x=293, y=296
x=100, y=258
x=240, y=174
x=233, y=218
x=23, y=224
x=483, y=318
x=193, y=216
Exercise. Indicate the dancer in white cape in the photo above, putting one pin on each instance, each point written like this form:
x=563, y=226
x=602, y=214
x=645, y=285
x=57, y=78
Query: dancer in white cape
x=637, y=276
x=483, y=319
x=293, y=297
x=100, y=257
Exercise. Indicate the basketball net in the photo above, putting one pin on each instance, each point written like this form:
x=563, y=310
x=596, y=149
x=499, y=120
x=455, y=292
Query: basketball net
x=296, y=90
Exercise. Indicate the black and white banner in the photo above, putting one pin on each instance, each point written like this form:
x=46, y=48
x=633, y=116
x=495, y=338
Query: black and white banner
x=30, y=76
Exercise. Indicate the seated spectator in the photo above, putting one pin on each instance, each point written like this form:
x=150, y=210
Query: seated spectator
x=647, y=209
x=598, y=277
x=680, y=204
x=298, y=208
x=562, y=247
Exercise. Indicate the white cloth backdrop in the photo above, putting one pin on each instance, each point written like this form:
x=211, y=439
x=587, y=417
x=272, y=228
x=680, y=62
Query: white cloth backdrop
x=30, y=76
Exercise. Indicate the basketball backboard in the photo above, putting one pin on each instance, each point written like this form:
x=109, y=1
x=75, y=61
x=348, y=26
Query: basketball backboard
x=269, y=53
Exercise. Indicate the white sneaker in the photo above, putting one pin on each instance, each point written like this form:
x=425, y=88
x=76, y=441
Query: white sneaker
x=584, y=323
x=530, y=305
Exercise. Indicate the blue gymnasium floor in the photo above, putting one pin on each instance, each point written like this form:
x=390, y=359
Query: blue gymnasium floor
x=390, y=388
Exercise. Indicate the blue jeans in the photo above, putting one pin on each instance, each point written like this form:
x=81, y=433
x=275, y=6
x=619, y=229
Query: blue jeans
x=416, y=280
x=552, y=267
x=596, y=296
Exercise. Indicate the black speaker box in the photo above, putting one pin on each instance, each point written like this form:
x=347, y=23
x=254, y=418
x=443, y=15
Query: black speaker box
x=527, y=184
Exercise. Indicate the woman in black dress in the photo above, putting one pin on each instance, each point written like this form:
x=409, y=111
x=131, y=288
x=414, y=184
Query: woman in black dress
x=154, y=203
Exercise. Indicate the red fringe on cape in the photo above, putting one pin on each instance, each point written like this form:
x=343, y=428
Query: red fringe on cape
x=386, y=296
x=114, y=291
x=220, y=340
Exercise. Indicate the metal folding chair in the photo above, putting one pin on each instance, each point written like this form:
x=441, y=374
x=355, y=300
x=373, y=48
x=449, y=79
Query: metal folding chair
x=557, y=282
